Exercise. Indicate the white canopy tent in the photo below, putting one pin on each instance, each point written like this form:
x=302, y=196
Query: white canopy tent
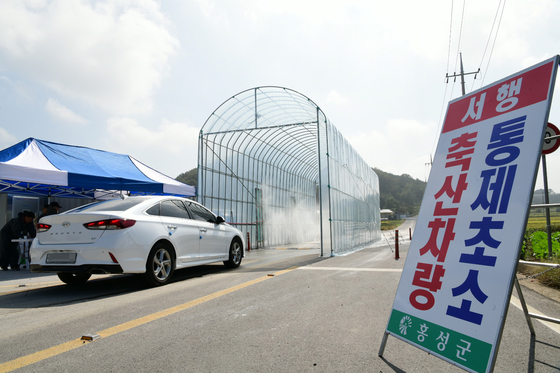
x=42, y=168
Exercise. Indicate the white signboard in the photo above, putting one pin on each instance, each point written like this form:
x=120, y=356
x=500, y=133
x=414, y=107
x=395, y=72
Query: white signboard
x=454, y=292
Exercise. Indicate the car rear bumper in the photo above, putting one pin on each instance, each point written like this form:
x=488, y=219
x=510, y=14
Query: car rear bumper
x=94, y=269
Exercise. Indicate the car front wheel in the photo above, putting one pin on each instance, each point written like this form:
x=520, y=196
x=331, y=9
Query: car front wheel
x=160, y=265
x=235, y=254
x=73, y=278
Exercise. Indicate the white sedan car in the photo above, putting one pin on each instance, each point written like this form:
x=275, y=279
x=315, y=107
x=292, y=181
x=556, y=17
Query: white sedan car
x=148, y=235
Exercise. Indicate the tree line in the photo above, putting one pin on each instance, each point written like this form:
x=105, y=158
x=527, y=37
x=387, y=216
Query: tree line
x=400, y=194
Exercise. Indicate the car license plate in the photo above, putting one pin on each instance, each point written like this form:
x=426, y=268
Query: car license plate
x=61, y=258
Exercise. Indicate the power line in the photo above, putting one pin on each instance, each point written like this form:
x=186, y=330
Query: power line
x=450, y=33
x=462, y=74
x=489, y=38
x=495, y=38
x=447, y=68
x=447, y=74
x=459, y=41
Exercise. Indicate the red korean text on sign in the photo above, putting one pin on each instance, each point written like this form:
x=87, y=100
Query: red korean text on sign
x=523, y=90
x=428, y=277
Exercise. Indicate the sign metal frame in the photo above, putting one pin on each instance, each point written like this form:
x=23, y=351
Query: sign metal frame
x=454, y=292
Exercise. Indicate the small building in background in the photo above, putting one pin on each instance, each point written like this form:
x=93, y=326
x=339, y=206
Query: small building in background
x=386, y=214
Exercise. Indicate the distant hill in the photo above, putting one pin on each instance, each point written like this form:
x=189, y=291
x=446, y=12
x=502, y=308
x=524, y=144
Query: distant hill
x=401, y=194
x=539, y=198
x=189, y=177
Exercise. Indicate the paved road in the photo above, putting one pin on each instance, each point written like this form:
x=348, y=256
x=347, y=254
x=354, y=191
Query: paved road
x=281, y=311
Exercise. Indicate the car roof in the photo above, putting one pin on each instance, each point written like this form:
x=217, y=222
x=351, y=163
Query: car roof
x=123, y=204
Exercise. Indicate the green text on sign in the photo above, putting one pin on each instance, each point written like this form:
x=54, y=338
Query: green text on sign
x=464, y=350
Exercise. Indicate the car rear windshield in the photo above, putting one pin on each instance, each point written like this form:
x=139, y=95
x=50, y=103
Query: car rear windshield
x=112, y=205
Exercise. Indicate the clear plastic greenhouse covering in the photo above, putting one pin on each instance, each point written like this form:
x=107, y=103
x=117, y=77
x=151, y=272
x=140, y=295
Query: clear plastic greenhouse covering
x=38, y=167
x=274, y=166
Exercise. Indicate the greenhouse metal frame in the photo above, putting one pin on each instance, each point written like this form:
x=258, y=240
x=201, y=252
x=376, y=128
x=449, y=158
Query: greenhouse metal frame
x=272, y=164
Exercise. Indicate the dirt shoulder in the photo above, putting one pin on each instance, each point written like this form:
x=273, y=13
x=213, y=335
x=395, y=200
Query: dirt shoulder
x=535, y=285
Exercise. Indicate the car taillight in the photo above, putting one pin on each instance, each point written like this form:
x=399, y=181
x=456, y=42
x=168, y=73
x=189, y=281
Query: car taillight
x=113, y=258
x=42, y=227
x=110, y=224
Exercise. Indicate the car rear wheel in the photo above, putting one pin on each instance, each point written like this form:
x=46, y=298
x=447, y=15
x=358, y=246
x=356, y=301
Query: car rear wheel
x=74, y=278
x=235, y=254
x=160, y=265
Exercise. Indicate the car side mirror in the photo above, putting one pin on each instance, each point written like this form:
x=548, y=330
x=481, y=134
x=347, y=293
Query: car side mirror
x=220, y=220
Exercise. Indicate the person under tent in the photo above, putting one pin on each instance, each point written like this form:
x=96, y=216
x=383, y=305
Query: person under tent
x=16, y=228
x=52, y=209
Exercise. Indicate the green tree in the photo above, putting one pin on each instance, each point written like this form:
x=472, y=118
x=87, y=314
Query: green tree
x=189, y=177
x=401, y=194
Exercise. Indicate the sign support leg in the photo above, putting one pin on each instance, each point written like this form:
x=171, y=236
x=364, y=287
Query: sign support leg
x=524, y=305
x=383, y=343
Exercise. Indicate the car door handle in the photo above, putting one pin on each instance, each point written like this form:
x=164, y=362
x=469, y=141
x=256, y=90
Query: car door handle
x=203, y=229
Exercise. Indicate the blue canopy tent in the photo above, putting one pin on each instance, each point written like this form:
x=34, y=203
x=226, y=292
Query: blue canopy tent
x=43, y=168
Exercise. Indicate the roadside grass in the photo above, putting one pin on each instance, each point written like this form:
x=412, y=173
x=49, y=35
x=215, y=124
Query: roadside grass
x=552, y=277
x=535, y=248
x=388, y=225
x=539, y=221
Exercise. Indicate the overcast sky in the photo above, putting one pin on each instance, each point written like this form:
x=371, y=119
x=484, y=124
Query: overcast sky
x=141, y=77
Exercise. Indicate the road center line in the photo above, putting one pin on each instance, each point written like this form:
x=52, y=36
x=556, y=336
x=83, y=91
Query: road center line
x=71, y=345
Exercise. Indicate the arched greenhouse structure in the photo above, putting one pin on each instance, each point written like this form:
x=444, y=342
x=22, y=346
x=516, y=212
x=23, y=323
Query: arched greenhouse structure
x=272, y=164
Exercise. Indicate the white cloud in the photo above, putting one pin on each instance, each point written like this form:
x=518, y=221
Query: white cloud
x=401, y=147
x=171, y=148
x=336, y=98
x=61, y=112
x=20, y=89
x=6, y=140
x=313, y=11
x=362, y=62
x=110, y=54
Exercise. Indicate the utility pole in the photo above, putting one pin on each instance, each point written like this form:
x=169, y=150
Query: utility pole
x=455, y=75
x=428, y=164
x=462, y=75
